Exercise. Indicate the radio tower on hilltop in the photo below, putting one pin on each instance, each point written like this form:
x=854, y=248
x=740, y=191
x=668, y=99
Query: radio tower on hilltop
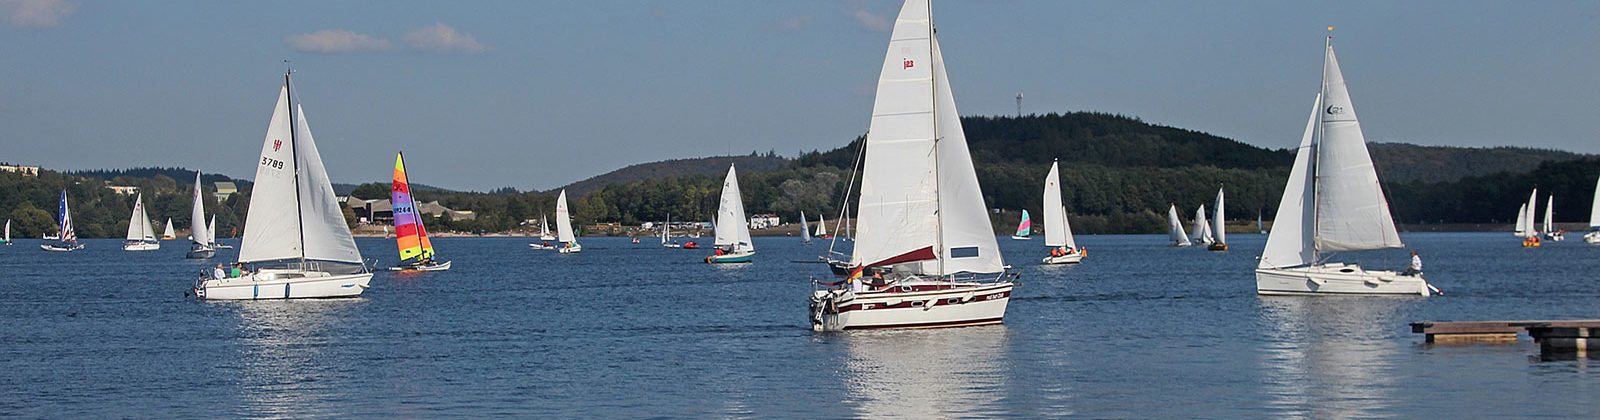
x=1019, y=104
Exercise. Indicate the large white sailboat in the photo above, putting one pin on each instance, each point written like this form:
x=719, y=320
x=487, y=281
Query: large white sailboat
x=201, y=245
x=141, y=235
x=1592, y=237
x=295, y=236
x=732, y=243
x=922, y=225
x=1219, y=227
x=1175, y=227
x=1550, y=231
x=569, y=241
x=1331, y=203
x=67, y=238
x=1057, y=230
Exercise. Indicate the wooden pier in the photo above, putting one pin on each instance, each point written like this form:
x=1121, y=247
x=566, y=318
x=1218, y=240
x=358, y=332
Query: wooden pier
x=1545, y=332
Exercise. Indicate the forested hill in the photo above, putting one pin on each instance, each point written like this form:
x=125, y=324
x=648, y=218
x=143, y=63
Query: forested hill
x=1400, y=162
x=707, y=166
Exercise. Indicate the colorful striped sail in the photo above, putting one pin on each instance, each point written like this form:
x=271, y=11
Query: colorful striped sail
x=410, y=236
x=1026, y=227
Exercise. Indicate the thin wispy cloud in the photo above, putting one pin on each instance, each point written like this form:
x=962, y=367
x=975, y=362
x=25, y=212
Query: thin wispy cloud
x=443, y=39
x=336, y=41
x=793, y=24
x=866, y=19
x=36, y=13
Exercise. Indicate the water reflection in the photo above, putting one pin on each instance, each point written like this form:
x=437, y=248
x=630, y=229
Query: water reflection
x=927, y=373
x=1329, y=357
x=286, y=360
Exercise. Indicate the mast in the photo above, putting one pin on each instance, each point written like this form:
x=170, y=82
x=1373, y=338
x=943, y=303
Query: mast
x=299, y=213
x=933, y=93
x=1316, y=155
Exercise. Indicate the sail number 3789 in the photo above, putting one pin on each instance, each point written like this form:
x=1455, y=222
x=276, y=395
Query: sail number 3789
x=270, y=162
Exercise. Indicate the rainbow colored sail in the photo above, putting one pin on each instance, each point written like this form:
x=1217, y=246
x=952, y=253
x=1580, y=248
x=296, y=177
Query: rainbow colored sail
x=1026, y=227
x=410, y=236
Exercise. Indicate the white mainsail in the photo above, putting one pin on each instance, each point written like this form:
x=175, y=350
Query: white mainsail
x=1351, y=212
x=920, y=199
x=8, y=230
x=1529, y=228
x=544, y=227
x=731, y=228
x=564, y=220
x=197, y=216
x=1550, y=214
x=1175, y=227
x=1521, y=229
x=1219, y=229
x=1202, y=227
x=805, y=234
x=1594, y=208
x=139, y=228
x=1057, y=233
x=1289, y=243
x=822, y=226
x=293, y=212
x=168, y=233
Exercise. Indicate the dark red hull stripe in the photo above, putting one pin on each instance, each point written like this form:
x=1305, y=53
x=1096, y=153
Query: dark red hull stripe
x=924, y=254
x=970, y=322
x=908, y=303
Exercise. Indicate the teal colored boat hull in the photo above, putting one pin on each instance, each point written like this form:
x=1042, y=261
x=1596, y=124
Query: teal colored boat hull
x=718, y=259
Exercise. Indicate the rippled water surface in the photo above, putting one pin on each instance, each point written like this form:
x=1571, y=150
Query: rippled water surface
x=621, y=330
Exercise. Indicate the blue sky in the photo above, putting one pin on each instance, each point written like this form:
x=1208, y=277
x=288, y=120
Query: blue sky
x=534, y=94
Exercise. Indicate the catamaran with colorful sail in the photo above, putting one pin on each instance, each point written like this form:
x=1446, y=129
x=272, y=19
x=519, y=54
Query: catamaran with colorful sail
x=925, y=254
x=67, y=239
x=1024, y=228
x=732, y=242
x=295, y=237
x=141, y=235
x=416, y=251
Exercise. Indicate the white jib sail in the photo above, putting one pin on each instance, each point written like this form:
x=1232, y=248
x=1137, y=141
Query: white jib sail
x=1055, y=215
x=822, y=226
x=1219, y=226
x=1289, y=243
x=327, y=236
x=197, y=216
x=211, y=231
x=1352, y=213
x=1550, y=214
x=168, y=233
x=968, y=242
x=731, y=229
x=1175, y=226
x=563, y=220
x=805, y=233
x=139, y=230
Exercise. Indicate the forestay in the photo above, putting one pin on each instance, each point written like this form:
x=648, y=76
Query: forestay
x=1289, y=243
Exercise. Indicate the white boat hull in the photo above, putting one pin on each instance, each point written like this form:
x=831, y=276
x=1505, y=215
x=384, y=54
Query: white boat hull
x=575, y=248
x=141, y=246
x=73, y=247
x=541, y=246
x=1020, y=238
x=1337, y=279
x=1592, y=237
x=284, y=284
x=1073, y=258
x=966, y=304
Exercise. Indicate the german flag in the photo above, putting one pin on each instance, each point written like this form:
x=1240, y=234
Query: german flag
x=855, y=275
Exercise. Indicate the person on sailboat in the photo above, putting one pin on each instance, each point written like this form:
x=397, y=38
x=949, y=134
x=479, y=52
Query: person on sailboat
x=1416, y=265
x=217, y=273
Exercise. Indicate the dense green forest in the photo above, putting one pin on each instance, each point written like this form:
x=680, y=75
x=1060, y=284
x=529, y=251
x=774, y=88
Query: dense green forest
x=1119, y=174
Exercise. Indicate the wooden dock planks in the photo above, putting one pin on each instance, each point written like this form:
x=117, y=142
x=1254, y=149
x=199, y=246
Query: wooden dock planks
x=1474, y=331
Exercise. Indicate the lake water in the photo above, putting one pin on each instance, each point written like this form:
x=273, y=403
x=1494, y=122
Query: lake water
x=1139, y=330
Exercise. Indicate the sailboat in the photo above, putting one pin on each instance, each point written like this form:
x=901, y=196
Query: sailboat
x=1219, y=227
x=923, y=236
x=1024, y=227
x=1175, y=227
x=1526, y=229
x=569, y=241
x=67, y=238
x=805, y=231
x=201, y=247
x=1202, y=227
x=7, y=239
x=1550, y=231
x=732, y=242
x=1592, y=237
x=295, y=237
x=822, y=228
x=544, y=235
x=1260, y=227
x=141, y=236
x=1057, y=231
x=666, y=234
x=416, y=251
x=1331, y=203
x=169, y=234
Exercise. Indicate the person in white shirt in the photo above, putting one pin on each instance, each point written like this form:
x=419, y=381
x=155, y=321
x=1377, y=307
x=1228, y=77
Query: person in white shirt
x=218, y=273
x=1416, y=265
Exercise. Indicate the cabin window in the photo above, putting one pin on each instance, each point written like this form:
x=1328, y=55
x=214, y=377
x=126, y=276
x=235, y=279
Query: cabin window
x=964, y=252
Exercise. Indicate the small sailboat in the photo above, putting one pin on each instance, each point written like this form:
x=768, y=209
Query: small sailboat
x=1024, y=227
x=805, y=231
x=1550, y=231
x=1202, y=227
x=141, y=235
x=1592, y=237
x=295, y=237
x=1057, y=230
x=822, y=229
x=1526, y=227
x=1219, y=227
x=66, y=239
x=211, y=230
x=1260, y=227
x=1331, y=203
x=666, y=234
x=569, y=241
x=169, y=234
x=732, y=242
x=1175, y=227
x=202, y=246
x=7, y=239
x=924, y=240
x=544, y=229
x=416, y=251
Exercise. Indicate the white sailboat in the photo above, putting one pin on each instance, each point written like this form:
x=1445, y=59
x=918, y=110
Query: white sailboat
x=666, y=234
x=7, y=239
x=66, y=239
x=141, y=235
x=169, y=234
x=805, y=231
x=295, y=236
x=1331, y=203
x=569, y=241
x=1521, y=228
x=1592, y=237
x=732, y=243
x=1202, y=227
x=1219, y=227
x=201, y=245
x=921, y=220
x=1175, y=228
x=1527, y=227
x=1057, y=231
x=1550, y=231
x=822, y=228
x=544, y=235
